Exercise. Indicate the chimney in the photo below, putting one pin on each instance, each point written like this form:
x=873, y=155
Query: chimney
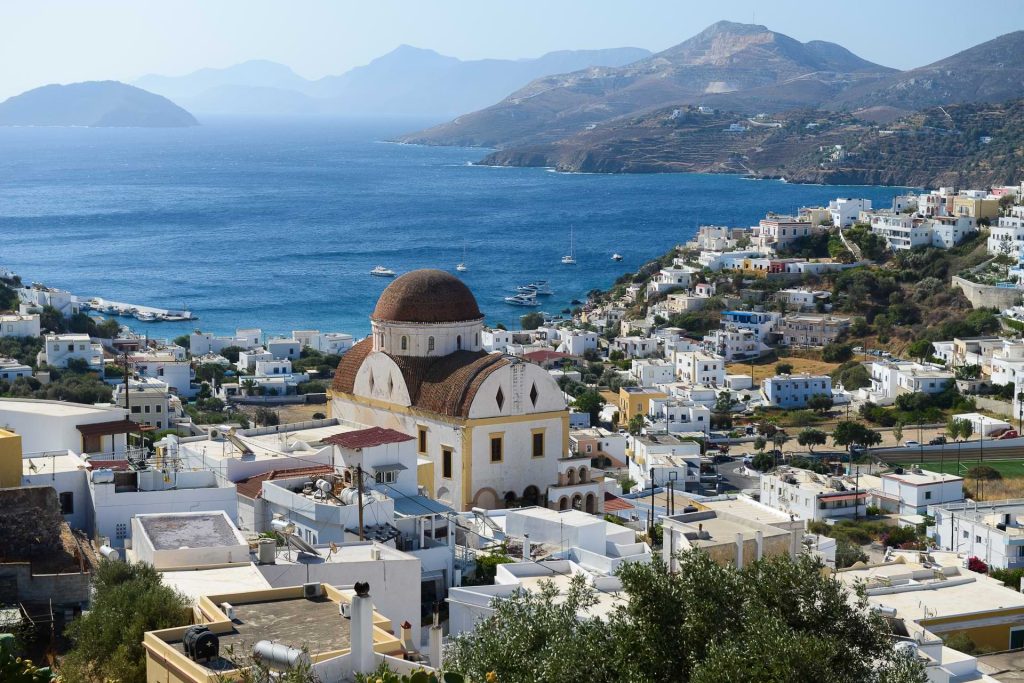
x=739, y=550
x=361, y=630
x=435, y=639
x=407, y=643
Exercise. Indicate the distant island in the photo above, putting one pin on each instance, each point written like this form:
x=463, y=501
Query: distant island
x=94, y=104
x=740, y=98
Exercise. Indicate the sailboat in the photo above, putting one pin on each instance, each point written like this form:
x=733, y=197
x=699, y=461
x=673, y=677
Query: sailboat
x=570, y=258
x=462, y=267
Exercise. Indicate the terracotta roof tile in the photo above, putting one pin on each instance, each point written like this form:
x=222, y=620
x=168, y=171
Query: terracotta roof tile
x=613, y=503
x=366, y=438
x=252, y=487
x=427, y=296
x=345, y=377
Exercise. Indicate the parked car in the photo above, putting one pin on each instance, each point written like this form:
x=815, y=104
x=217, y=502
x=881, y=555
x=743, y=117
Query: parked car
x=938, y=441
x=1009, y=434
x=910, y=443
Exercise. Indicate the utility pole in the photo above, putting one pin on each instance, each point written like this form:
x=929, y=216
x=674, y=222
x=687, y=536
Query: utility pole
x=359, y=489
x=127, y=376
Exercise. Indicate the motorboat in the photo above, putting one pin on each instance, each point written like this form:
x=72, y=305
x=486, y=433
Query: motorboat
x=522, y=300
x=616, y=256
x=381, y=271
x=145, y=316
x=537, y=287
x=462, y=267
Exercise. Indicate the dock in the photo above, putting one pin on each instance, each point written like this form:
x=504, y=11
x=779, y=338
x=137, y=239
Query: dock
x=120, y=309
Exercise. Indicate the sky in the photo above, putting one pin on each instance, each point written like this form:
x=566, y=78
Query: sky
x=64, y=41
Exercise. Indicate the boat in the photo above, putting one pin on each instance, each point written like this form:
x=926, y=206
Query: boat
x=522, y=300
x=570, y=258
x=145, y=316
x=381, y=271
x=616, y=256
x=537, y=288
x=462, y=267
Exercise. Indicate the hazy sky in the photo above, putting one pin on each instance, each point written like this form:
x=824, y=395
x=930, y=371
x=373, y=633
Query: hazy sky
x=62, y=41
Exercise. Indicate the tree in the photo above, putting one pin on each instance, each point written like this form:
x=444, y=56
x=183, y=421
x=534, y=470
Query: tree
x=128, y=600
x=700, y=624
x=897, y=432
x=53, y=320
x=590, y=402
x=820, y=403
x=723, y=403
x=783, y=368
x=762, y=462
x=848, y=553
x=231, y=353
x=811, y=437
x=837, y=353
x=531, y=320
x=958, y=428
x=210, y=372
x=849, y=433
x=921, y=349
x=636, y=424
x=760, y=443
x=265, y=417
x=184, y=341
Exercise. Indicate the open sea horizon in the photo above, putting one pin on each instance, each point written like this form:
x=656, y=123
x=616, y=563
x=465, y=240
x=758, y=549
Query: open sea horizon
x=277, y=223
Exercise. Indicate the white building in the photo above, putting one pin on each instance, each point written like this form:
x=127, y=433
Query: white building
x=674, y=415
x=203, y=343
x=38, y=296
x=844, y=211
x=578, y=342
x=247, y=359
x=11, y=369
x=60, y=426
x=494, y=427
x=1007, y=236
x=665, y=453
x=151, y=403
x=58, y=349
x=761, y=323
x=805, y=299
x=910, y=493
x=651, y=372
x=635, y=347
x=733, y=343
x=698, y=367
x=284, y=349
x=890, y=378
x=168, y=367
x=335, y=343
x=669, y=279
x=901, y=231
x=990, y=530
x=19, y=325
x=813, y=496
x=793, y=391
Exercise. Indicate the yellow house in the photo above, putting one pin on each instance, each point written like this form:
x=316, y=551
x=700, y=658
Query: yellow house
x=976, y=208
x=636, y=401
x=307, y=618
x=10, y=459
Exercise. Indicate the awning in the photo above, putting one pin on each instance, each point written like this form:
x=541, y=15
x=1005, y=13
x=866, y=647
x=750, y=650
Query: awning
x=107, y=428
x=391, y=467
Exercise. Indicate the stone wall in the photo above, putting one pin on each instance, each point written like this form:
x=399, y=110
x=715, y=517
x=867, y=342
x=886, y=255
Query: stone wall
x=987, y=296
x=30, y=524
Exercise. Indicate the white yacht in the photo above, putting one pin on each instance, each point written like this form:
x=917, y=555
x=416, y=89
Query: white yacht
x=381, y=271
x=537, y=288
x=145, y=316
x=616, y=256
x=570, y=258
x=522, y=300
x=462, y=267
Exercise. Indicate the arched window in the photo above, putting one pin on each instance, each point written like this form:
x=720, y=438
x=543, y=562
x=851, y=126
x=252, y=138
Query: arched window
x=458, y=343
x=405, y=343
x=430, y=344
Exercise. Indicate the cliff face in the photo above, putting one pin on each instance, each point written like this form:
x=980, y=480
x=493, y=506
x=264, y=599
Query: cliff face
x=93, y=104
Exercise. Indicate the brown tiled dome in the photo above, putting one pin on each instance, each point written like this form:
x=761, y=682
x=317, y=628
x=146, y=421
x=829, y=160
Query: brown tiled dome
x=427, y=296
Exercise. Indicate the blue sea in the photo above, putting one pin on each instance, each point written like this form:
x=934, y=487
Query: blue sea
x=277, y=224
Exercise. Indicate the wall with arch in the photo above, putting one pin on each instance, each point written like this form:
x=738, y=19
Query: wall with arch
x=426, y=339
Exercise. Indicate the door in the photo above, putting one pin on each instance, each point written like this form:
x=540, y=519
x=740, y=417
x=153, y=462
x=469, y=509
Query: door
x=92, y=444
x=1016, y=638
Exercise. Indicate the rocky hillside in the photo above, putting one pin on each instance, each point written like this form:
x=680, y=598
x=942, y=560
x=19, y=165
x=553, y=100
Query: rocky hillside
x=93, y=104
x=976, y=145
x=727, y=60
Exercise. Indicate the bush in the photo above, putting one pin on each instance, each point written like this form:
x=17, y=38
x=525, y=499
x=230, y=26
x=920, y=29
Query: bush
x=848, y=554
x=873, y=511
x=984, y=472
x=977, y=565
x=783, y=368
x=836, y=353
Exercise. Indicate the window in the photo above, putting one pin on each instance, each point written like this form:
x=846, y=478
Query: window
x=423, y=439
x=533, y=395
x=136, y=409
x=977, y=539
x=405, y=343
x=430, y=343
x=388, y=477
x=159, y=408
x=458, y=343
x=538, y=443
x=927, y=495
x=499, y=398
x=145, y=409
x=67, y=503
x=497, y=447
x=446, y=463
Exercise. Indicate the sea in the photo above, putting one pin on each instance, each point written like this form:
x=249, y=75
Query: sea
x=277, y=223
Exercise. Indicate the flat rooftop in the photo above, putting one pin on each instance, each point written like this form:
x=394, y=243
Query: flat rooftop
x=207, y=530
x=606, y=601
x=924, y=478
x=54, y=408
x=722, y=529
x=314, y=624
x=195, y=583
x=51, y=464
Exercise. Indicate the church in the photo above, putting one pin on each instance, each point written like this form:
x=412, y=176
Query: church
x=493, y=427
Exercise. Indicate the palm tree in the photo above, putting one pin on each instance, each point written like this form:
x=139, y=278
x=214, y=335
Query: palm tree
x=249, y=385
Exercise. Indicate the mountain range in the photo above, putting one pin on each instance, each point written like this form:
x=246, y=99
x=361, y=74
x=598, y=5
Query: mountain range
x=745, y=69
x=93, y=104
x=407, y=81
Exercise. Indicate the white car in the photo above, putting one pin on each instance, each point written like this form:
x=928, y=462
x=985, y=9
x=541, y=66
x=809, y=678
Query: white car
x=911, y=443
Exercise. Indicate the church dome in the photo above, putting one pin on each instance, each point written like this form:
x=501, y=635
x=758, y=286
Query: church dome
x=426, y=296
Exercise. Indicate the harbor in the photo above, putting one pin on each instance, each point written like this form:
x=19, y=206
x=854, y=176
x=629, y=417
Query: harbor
x=146, y=314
